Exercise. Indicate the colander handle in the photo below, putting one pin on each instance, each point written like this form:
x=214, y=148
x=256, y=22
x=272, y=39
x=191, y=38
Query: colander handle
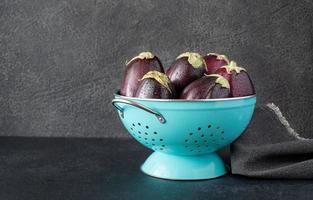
x=138, y=105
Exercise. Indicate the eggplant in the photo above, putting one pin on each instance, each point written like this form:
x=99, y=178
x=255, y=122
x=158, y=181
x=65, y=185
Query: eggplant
x=214, y=61
x=156, y=85
x=239, y=80
x=135, y=69
x=208, y=87
x=187, y=68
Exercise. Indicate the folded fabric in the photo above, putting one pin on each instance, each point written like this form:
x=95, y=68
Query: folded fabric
x=270, y=148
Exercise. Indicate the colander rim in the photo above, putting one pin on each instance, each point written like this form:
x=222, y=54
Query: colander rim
x=116, y=94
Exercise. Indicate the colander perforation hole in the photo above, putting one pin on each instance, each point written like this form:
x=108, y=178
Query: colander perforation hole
x=155, y=133
x=133, y=124
x=212, y=135
x=161, y=139
x=217, y=127
x=146, y=138
x=153, y=144
x=147, y=127
x=146, y=133
x=161, y=149
x=191, y=150
x=131, y=129
x=186, y=146
x=153, y=139
x=190, y=133
x=139, y=132
x=202, y=135
x=209, y=126
x=163, y=145
x=199, y=128
x=139, y=124
x=222, y=132
x=186, y=140
x=196, y=141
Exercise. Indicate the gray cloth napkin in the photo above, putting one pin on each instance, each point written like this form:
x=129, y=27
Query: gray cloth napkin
x=271, y=148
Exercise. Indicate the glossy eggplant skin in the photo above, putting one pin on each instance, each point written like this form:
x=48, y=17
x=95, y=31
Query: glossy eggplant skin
x=212, y=63
x=240, y=83
x=151, y=89
x=181, y=73
x=135, y=71
x=204, y=88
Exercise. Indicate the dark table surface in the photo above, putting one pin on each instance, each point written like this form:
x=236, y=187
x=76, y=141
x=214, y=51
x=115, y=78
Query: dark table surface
x=80, y=168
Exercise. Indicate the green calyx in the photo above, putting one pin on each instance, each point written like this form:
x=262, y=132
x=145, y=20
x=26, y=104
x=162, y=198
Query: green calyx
x=159, y=77
x=233, y=67
x=194, y=59
x=220, y=80
x=142, y=55
x=219, y=57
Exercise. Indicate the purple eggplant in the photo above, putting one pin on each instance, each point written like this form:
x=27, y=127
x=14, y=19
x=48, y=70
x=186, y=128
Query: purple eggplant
x=135, y=69
x=208, y=87
x=214, y=61
x=187, y=68
x=239, y=80
x=156, y=85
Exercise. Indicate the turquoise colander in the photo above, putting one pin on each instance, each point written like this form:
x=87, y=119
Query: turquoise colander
x=184, y=134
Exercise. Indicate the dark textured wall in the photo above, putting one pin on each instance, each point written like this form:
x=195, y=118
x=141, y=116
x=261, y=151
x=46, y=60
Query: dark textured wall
x=61, y=60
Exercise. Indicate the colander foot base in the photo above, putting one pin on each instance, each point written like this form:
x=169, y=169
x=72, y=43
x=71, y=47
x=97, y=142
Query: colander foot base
x=175, y=167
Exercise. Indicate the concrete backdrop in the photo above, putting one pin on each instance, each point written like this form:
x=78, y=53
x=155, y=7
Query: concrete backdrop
x=61, y=60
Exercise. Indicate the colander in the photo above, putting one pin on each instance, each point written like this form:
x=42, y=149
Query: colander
x=184, y=134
